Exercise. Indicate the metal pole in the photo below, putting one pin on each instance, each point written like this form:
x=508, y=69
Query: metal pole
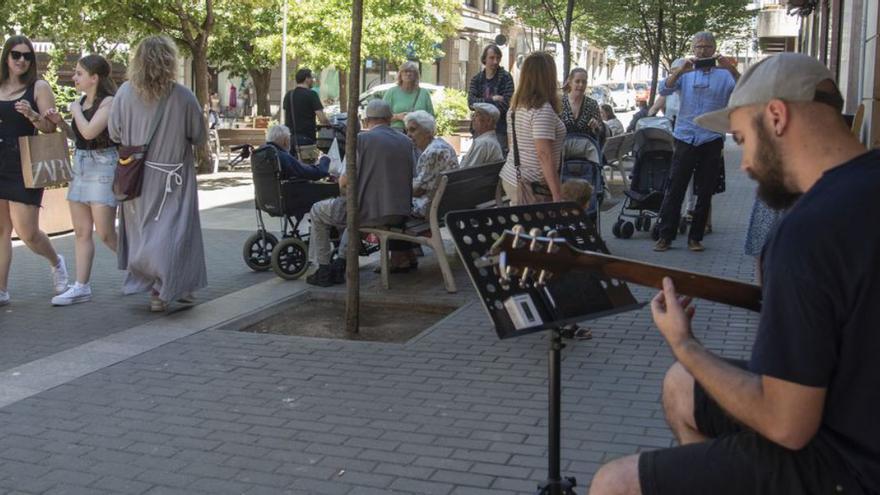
x=283, y=60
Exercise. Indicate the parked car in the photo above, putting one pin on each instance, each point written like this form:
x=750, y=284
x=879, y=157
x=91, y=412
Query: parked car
x=623, y=95
x=378, y=92
x=643, y=91
x=601, y=94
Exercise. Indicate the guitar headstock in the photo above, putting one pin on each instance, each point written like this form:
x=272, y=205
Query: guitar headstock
x=529, y=259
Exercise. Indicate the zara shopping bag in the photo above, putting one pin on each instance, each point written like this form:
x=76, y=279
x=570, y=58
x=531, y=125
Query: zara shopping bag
x=45, y=160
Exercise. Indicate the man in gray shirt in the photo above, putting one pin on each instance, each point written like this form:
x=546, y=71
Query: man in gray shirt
x=385, y=168
x=485, y=148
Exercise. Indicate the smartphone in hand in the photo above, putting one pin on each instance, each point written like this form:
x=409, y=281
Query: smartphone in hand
x=705, y=63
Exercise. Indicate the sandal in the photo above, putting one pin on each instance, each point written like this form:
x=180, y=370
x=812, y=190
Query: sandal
x=157, y=305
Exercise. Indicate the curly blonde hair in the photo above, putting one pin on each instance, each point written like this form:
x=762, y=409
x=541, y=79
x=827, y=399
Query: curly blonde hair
x=153, y=67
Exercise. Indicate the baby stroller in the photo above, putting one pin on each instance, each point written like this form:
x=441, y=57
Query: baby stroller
x=290, y=200
x=652, y=149
x=582, y=159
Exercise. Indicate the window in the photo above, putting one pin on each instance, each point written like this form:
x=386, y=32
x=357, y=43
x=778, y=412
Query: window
x=470, y=3
x=492, y=6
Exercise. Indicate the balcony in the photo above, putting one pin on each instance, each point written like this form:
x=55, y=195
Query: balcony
x=777, y=31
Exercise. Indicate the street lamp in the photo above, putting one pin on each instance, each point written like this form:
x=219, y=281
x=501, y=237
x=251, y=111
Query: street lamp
x=283, y=60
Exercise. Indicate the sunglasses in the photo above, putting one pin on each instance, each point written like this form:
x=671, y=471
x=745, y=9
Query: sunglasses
x=16, y=55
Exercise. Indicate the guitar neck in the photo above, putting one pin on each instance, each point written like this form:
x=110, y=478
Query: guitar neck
x=716, y=289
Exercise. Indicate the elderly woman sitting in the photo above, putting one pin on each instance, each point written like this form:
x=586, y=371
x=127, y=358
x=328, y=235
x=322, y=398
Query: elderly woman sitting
x=436, y=155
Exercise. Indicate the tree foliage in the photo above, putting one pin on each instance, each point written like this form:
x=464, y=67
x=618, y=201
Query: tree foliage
x=645, y=29
x=562, y=18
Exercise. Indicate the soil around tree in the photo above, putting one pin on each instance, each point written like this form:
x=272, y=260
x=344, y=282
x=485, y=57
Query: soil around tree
x=379, y=321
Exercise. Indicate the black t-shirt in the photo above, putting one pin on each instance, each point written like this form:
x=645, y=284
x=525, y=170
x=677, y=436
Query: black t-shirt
x=305, y=104
x=820, y=322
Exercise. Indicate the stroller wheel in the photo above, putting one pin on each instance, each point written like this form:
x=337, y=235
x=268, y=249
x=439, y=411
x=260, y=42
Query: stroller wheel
x=290, y=258
x=639, y=223
x=646, y=224
x=655, y=232
x=627, y=230
x=257, y=251
x=683, y=226
x=615, y=229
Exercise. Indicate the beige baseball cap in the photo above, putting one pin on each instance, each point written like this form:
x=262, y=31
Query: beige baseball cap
x=790, y=77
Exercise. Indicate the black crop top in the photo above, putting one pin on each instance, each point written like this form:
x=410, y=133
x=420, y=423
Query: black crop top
x=102, y=140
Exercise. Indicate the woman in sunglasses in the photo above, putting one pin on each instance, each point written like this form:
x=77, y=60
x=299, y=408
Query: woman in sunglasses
x=24, y=101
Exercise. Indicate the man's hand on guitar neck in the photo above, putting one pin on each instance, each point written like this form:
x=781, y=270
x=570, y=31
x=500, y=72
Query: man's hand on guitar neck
x=672, y=314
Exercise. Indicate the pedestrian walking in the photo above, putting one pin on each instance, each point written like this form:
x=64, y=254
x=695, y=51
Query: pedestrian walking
x=493, y=85
x=24, y=100
x=704, y=84
x=160, y=236
x=531, y=173
x=90, y=192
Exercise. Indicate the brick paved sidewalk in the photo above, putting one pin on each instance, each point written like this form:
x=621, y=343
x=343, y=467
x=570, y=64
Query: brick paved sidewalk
x=453, y=411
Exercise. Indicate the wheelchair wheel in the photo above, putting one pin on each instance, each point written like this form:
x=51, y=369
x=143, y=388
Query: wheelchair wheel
x=615, y=229
x=257, y=251
x=290, y=258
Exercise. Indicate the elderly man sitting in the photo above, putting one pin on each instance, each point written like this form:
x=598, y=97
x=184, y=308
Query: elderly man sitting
x=485, y=148
x=385, y=172
x=278, y=136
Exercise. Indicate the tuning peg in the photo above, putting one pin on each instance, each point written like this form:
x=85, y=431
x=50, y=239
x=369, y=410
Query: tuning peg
x=553, y=234
x=525, y=278
x=543, y=278
x=517, y=236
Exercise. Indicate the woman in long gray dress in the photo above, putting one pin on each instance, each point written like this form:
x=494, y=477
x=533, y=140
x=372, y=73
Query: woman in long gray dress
x=160, y=236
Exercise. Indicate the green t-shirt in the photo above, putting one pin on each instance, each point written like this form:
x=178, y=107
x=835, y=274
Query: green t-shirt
x=403, y=101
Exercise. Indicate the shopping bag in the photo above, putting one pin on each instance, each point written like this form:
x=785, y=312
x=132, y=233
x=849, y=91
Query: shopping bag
x=337, y=168
x=45, y=160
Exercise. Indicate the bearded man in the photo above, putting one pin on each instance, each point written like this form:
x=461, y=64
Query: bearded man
x=801, y=415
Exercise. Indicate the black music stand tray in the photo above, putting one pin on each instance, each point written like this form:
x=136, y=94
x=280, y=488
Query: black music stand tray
x=567, y=298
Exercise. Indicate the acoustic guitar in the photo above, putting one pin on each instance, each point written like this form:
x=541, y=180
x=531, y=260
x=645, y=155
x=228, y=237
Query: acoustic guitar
x=534, y=259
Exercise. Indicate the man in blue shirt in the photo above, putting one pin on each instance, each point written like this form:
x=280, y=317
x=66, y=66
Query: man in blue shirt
x=703, y=87
x=278, y=136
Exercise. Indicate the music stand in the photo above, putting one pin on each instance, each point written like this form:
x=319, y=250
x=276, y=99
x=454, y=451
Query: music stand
x=515, y=310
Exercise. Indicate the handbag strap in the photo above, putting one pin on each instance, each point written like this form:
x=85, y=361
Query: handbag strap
x=515, y=149
x=416, y=99
x=160, y=112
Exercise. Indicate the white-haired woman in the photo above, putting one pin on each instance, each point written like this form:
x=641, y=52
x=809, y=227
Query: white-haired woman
x=407, y=96
x=160, y=236
x=435, y=156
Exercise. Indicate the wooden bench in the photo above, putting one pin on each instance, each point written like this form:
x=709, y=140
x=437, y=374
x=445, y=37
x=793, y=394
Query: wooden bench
x=224, y=139
x=460, y=189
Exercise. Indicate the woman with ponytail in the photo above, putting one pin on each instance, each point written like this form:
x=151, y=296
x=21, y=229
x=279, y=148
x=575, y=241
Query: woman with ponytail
x=92, y=204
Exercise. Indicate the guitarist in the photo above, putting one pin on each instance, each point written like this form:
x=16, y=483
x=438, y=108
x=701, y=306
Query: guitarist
x=802, y=415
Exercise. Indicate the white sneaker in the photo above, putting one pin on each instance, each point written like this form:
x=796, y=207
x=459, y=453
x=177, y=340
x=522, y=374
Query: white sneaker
x=77, y=293
x=4, y=298
x=59, y=276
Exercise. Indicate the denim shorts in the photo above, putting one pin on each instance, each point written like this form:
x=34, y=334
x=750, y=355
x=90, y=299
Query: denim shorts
x=92, y=180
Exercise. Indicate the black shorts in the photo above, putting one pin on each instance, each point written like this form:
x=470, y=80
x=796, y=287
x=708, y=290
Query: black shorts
x=738, y=461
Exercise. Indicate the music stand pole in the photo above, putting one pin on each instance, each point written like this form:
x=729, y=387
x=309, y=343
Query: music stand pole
x=555, y=484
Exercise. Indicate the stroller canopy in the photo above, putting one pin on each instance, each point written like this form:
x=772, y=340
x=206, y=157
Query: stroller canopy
x=652, y=139
x=581, y=147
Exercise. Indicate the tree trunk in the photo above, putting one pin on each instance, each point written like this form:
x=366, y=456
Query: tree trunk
x=200, y=82
x=352, y=271
x=262, y=79
x=566, y=39
x=343, y=90
x=655, y=57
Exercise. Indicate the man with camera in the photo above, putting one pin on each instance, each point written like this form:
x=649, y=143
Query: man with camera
x=704, y=83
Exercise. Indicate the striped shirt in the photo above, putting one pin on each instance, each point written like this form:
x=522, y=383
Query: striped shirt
x=532, y=124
